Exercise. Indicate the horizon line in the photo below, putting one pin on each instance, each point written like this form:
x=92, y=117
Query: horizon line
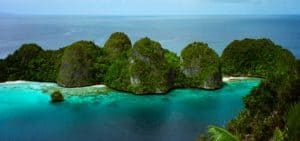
x=115, y=15
x=150, y=15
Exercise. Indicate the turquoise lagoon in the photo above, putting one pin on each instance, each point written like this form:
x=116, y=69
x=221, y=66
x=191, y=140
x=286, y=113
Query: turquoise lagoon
x=26, y=113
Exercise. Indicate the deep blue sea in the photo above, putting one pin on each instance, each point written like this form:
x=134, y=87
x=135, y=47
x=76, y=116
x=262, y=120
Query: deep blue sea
x=181, y=115
x=173, y=32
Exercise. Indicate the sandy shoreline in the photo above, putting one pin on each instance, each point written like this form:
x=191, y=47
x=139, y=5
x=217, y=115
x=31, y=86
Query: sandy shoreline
x=224, y=79
x=24, y=81
x=15, y=82
x=230, y=78
x=50, y=87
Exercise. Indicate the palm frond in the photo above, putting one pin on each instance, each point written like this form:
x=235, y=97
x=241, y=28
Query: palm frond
x=220, y=134
x=292, y=122
x=278, y=135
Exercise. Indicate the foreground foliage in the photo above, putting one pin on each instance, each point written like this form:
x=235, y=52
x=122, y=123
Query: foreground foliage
x=292, y=122
x=220, y=134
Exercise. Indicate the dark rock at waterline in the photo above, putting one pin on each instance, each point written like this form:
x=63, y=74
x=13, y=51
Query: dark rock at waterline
x=57, y=97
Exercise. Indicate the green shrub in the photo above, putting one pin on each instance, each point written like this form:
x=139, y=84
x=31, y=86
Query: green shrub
x=292, y=123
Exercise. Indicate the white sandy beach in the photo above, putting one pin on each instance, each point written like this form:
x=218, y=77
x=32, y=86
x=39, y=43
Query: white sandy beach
x=230, y=78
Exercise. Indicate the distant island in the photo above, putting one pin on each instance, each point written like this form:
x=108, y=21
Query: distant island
x=147, y=68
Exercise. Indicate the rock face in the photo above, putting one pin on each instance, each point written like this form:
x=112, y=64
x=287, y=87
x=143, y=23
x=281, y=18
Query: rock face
x=148, y=69
x=200, y=66
x=57, y=97
x=76, y=68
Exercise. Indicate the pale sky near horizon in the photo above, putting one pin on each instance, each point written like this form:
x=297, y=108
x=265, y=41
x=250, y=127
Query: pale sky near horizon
x=149, y=7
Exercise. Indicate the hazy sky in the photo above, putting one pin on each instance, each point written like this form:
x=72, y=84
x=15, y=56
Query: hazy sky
x=150, y=7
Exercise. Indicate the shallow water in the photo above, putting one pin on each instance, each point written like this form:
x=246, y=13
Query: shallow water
x=182, y=114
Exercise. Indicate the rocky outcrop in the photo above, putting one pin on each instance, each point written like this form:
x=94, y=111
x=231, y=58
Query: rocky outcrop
x=213, y=81
x=116, y=61
x=200, y=66
x=76, y=68
x=148, y=68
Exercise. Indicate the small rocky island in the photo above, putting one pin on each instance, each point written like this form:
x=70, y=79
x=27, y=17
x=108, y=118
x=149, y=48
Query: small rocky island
x=57, y=97
x=144, y=67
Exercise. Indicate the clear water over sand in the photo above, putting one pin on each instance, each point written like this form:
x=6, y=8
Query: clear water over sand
x=182, y=114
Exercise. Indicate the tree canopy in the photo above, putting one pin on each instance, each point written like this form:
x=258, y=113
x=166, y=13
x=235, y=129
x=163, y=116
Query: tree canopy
x=77, y=64
x=148, y=68
x=201, y=66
